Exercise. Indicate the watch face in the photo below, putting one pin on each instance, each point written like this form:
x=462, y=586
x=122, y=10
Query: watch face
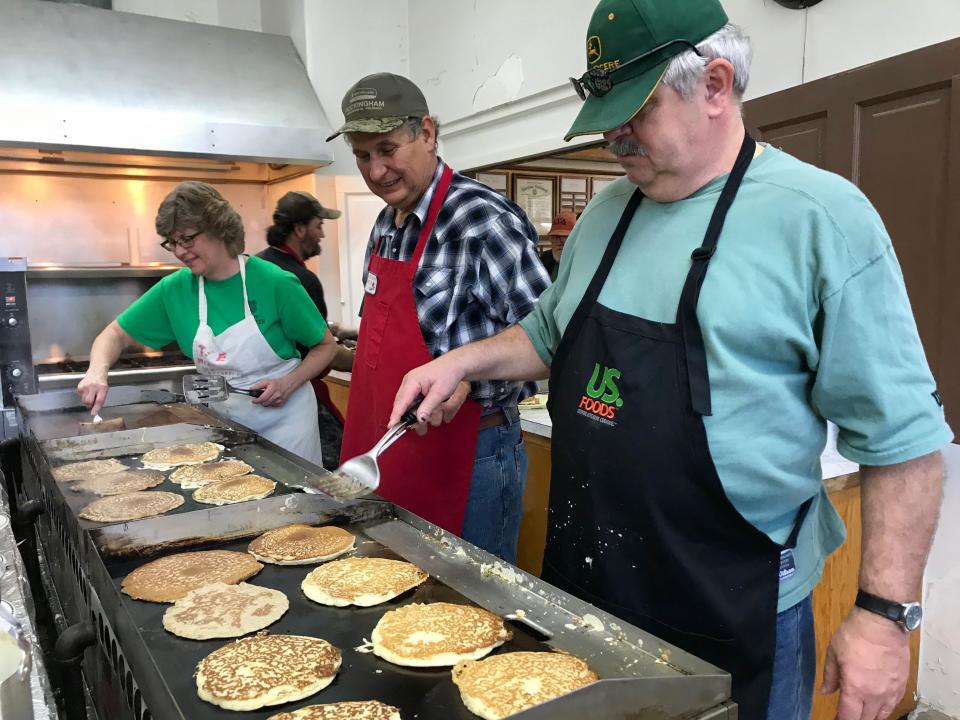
x=912, y=614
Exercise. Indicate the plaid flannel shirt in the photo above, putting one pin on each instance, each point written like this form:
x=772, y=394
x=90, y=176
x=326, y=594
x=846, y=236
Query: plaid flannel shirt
x=478, y=275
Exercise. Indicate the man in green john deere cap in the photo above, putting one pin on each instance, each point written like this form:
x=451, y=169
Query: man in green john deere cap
x=690, y=407
x=449, y=261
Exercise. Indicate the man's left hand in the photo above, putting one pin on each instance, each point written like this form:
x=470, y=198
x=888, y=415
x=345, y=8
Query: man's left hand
x=275, y=392
x=868, y=661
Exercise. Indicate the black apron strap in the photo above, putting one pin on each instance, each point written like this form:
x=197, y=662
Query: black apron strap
x=697, y=373
x=798, y=523
x=592, y=292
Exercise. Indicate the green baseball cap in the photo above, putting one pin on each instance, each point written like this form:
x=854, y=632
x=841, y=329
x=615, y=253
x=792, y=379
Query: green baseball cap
x=380, y=103
x=629, y=45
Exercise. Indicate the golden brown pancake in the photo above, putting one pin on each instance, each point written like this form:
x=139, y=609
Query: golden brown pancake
x=356, y=710
x=266, y=670
x=234, y=490
x=301, y=544
x=193, y=476
x=219, y=610
x=131, y=506
x=170, y=578
x=437, y=634
x=502, y=685
x=119, y=482
x=362, y=581
x=189, y=454
x=87, y=469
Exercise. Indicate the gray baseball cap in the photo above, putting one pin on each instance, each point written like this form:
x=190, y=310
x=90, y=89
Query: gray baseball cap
x=298, y=206
x=380, y=103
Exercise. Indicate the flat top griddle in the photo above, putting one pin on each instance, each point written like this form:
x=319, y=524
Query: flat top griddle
x=424, y=693
x=141, y=415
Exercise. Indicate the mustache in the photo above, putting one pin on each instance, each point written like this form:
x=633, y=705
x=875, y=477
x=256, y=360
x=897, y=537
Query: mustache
x=623, y=146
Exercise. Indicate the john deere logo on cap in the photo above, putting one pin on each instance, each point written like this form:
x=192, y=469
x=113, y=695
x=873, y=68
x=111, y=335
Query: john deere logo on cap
x=594, y=50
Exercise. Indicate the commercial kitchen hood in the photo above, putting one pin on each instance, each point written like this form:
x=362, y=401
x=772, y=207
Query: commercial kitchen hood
x=82, y=78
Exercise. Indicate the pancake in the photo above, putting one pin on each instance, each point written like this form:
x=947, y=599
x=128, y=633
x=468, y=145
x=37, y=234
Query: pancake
x=119, y=482
x=355, y=710
x=219, y=610
x=131, y=506
x=437, y=634
x=266, y=670
x=165, y=458
x=362, y=581
x=301, y=544
x=502, y=685
x=87, y=469
x=193, y=476
x=234, y=490
x=170, y=578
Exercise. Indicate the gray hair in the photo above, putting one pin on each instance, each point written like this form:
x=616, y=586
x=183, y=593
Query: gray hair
x=200, y=206
x=728, y=43
x=413, y=125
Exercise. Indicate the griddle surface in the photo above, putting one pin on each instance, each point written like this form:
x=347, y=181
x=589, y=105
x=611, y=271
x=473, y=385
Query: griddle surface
x=425, y=694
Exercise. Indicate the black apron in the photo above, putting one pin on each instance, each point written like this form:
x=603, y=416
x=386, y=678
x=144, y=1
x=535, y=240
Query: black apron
x=639, y=522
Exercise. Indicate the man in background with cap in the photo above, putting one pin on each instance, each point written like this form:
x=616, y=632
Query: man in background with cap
x=559, y=230
x=690, y=407
x=449, y=261
x=294, y=238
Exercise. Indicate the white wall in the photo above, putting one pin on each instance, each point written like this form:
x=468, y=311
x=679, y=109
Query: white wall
x=939, y=682
x=238, y=14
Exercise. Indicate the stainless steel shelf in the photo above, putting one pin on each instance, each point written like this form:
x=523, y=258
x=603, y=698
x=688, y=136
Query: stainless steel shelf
x=66, y=272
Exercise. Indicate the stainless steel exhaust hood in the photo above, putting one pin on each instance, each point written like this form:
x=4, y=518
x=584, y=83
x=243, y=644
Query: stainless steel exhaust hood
x=76, y=77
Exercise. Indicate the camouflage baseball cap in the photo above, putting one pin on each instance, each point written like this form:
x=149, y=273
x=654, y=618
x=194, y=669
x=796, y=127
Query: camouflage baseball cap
x=380, y=103
x=629, y=45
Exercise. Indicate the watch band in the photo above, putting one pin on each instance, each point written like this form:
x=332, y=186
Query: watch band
x=880, y=606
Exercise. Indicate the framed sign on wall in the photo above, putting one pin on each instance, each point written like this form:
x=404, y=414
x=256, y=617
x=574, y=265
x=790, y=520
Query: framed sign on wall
x=535, y=195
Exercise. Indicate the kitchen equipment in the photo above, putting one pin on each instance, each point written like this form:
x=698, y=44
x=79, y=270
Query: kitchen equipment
x=202, y=389
x=16, y=361
x=141, y=672
x=361, y=475
x=16, y=700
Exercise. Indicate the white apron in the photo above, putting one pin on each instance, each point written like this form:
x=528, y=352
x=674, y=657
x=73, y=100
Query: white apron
x=242, y=355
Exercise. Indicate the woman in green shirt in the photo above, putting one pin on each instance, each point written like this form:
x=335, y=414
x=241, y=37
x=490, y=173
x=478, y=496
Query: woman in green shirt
x=238, y=317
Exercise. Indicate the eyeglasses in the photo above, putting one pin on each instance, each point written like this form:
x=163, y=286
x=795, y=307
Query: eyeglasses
x=186, y=242
x=598, y=82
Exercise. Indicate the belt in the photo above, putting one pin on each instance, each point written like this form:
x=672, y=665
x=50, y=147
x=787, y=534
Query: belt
x=493, y=418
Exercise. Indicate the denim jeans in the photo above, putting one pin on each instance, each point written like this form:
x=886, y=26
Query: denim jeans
x=794, y=665
x=495, y=503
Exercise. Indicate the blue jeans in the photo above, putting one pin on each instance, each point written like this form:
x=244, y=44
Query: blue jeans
x=495, y=503
x=794, y=665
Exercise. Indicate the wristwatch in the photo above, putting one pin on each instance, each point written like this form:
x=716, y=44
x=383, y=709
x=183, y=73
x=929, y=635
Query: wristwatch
x=906, y=615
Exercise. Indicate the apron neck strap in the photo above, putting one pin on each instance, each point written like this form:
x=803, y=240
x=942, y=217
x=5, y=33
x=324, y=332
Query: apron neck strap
x=436, y=202
x=696, y=354
x=243, y=281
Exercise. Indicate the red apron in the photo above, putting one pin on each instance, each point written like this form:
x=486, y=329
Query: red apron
x=429, y=475
x=320, y=388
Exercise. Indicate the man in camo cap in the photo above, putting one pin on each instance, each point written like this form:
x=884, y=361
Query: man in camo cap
x=449, y=261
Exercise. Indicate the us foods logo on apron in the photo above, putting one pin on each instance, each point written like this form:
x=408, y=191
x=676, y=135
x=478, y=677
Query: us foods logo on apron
x=603, y=396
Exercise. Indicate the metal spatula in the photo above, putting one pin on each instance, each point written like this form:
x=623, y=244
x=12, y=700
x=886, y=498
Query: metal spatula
x=361, y=475
x=199, y=389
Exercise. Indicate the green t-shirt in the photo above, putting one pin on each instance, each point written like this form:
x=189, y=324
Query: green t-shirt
x=170, y=310
x=805, y=319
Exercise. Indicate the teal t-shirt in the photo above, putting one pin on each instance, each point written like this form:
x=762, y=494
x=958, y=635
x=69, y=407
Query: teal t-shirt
x=805, y=319
x=170, y=310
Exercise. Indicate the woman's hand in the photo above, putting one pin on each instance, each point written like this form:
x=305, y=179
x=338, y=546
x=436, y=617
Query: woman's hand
x=276, y=392
x=93, y=391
